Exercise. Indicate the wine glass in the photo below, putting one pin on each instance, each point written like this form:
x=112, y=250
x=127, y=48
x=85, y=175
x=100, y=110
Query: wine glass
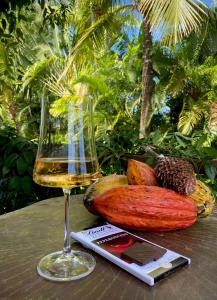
x=66, y=158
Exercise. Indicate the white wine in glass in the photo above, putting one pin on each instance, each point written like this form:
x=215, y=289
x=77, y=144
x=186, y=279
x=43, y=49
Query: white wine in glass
x=66, y=158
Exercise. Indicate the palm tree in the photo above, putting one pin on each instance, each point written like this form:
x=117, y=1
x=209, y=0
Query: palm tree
x=187, y=75
x=93, y=22
x=173, y=19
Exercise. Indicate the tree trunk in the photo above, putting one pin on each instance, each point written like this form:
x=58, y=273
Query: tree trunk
x=147, y=81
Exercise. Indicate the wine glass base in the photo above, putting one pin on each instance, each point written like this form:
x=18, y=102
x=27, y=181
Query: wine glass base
x=60, y=266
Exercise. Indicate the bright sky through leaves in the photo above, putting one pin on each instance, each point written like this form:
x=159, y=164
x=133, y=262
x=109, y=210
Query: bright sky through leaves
x=208, y=2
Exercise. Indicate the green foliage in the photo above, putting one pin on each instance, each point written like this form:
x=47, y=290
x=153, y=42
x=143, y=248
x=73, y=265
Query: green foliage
x=190, y=116
x=200, y=149
x=82, y=49
x=19, y=49
x=189, y=84
x=17, y=189
x=16, y=165
x=117, y=145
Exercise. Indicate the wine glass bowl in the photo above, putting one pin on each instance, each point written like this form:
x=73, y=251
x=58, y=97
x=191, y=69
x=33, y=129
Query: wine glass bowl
x=66, y=154
x=66, y=158
x=64, y=173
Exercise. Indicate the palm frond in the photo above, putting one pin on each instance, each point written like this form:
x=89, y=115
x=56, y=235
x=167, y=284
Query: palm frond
x=209, y=69
x=176, y=82
x=3, y=59
x=58, y=89
x=95, y=32
x=130, y=107
x=5, y=117
x=212, y=123
x=36, y=70
x=191, y=115
x=173, y=19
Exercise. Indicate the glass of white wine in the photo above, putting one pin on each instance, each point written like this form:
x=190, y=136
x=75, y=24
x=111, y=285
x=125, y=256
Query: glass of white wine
x=66, y=159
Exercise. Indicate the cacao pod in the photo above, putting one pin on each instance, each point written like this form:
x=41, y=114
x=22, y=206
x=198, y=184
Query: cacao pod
x=139, y=173
x=100, y=186
x=204, y=199
x=149, y=208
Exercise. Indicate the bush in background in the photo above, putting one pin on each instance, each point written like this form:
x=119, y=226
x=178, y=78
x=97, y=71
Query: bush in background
x=17, y=188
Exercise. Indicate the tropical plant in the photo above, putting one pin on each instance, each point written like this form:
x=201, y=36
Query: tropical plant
x=80, y=49
x=16, y=165
x=174, y=19
x=191, y=86
x=18, y=50
x=199, y=149
x=17, y=188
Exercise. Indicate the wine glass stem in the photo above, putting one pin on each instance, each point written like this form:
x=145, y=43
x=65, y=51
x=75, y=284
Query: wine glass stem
x=67, y=244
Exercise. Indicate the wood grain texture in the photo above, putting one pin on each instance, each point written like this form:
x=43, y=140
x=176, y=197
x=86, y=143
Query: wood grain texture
x=28, y=234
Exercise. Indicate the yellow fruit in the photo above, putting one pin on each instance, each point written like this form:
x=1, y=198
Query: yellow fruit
x=101, y=186
x=203, y=198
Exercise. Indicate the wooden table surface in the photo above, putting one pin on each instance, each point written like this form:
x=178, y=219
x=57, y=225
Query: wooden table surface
x=28, y=234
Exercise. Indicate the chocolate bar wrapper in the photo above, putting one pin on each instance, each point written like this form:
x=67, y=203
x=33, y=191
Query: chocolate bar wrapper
x=145, y=260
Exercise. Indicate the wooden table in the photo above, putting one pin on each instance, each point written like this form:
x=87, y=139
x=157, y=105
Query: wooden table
x=28, y=234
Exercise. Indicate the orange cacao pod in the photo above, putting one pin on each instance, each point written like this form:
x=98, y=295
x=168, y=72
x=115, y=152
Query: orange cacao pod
x=149, y=208
x=140, y=173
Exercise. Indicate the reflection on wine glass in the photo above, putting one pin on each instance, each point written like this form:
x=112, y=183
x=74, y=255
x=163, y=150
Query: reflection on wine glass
x=66, y=158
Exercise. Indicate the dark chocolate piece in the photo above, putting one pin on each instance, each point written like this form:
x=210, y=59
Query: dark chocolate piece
x=143, y=253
